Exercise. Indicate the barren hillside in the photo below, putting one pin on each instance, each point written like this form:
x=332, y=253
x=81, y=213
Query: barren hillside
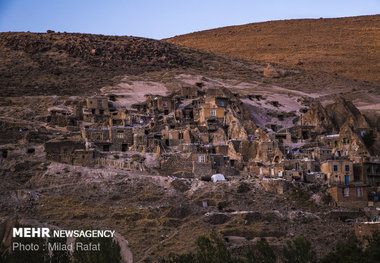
x=345, y=46
x=61, y=63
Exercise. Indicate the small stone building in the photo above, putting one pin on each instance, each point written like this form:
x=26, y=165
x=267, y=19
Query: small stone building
x=109, y=139
x=96, y=109
x=174, y=137
x=338, y=171
x=351, y=196
x=70, y=152
x=366, y=229
x=368, y=172
x=211, y=113
x=189, y=92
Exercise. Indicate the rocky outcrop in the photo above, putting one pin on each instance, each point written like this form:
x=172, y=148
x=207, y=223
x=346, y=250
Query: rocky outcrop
x=342, y=111
x=351, y=144
x=236, y=131
x=317, y=116
x=271, y=72
x=72, y=64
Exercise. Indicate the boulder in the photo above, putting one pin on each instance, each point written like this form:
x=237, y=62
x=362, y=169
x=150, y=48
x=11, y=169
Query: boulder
x=271, y=72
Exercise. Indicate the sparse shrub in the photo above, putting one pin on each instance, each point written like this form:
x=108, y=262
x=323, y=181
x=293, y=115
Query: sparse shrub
x=179, y=212
x=206, y=178
x=327, y=198
x=217, y=219
x=299, y=251
x=300, y=194
x=222, y=205
x=243, y=188
x=180, y=185
x=115, y=197
x=348, y=252
x=263, y=253
x=109, y=252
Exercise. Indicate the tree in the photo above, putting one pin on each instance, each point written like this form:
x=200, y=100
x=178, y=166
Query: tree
x=348, y=252
x=210, y=249
x=299, y=251
x=262, y=254
x=372, y=252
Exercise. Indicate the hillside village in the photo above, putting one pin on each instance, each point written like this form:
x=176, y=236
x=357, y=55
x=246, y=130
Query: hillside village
x=208, y=134
x=164, y=144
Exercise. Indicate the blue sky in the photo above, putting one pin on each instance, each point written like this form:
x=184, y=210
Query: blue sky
x=164, y=18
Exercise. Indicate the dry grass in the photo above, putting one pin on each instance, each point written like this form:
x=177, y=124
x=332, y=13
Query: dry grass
x=346, y=46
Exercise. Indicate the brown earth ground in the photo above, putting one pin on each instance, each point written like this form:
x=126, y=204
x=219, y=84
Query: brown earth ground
x=346, y=46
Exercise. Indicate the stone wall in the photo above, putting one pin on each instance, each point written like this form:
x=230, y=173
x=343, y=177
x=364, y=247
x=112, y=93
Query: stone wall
x=365, y=229
x=351, y=198
x=62, y=151
x=202, y=169
x=276, y=186
x=176, y=165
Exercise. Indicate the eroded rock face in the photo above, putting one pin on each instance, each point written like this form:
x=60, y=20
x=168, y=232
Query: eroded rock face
x=235, y=129
x=351, y=143
x=317, y=116
x=342, y=111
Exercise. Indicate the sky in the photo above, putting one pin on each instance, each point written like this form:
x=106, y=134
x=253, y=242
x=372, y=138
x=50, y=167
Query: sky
x=164, y=18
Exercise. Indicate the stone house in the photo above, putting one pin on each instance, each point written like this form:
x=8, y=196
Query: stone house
x=283, y=137
x=139, y=139
x=321, y=154
x=185, y=113
x=174, y=137
x=350, y=196
x=69, y=152
x=221, y=149
x=99, y=137
x=366, y=229
x=338, y=172
x=189, y=92
x=304, y=165
x=161, y=104
x=126, y=117
x=268, y=151
x=121, y=138
x=96, y=109
x=61, y=117
x=202, y=137
x=109, y=139
x=368, y=172
x=220, y=102
x=302, y=133
x=329, y=141
x=84, y=157
x=201, y=165
x=345, y=144
x=208, y=112
x=218, y=92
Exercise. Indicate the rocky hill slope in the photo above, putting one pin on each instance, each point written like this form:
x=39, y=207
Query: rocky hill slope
x=61, y=63
x=345, y=46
